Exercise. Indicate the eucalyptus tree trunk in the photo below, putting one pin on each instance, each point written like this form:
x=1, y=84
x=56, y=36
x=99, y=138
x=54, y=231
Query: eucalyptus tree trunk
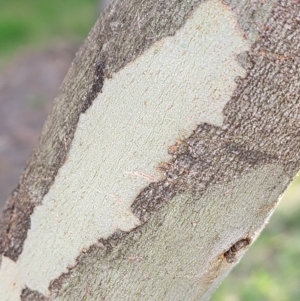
x=174, y=134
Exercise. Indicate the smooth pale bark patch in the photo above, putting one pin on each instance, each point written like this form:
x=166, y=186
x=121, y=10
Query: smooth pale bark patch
x=178, y=83
x=11, y=283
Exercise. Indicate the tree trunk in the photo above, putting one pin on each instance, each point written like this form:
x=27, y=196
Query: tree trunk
x=174, y=134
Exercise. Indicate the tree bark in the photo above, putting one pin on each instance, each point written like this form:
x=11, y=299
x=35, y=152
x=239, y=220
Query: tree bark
x=174, y=134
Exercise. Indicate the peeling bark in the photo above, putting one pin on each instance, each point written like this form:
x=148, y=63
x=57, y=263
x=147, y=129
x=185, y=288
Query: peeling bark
x=220, y=182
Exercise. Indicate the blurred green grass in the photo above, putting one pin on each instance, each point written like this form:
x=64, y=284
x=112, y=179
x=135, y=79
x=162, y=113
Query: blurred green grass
x=271, y=268
x=36, y=23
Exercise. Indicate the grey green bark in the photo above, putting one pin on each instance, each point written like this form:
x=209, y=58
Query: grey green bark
x=215, y=172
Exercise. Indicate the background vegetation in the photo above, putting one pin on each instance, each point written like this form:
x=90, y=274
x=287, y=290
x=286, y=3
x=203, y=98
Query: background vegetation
x=38, y=23
x=271, y=269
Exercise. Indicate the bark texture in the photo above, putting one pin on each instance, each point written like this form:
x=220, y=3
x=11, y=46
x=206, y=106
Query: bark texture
x=114, y=41
x=221, y=183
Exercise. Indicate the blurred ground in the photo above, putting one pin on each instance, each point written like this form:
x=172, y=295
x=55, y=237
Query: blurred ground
x=28, y=86
x=29, y=81
x=38, y=40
